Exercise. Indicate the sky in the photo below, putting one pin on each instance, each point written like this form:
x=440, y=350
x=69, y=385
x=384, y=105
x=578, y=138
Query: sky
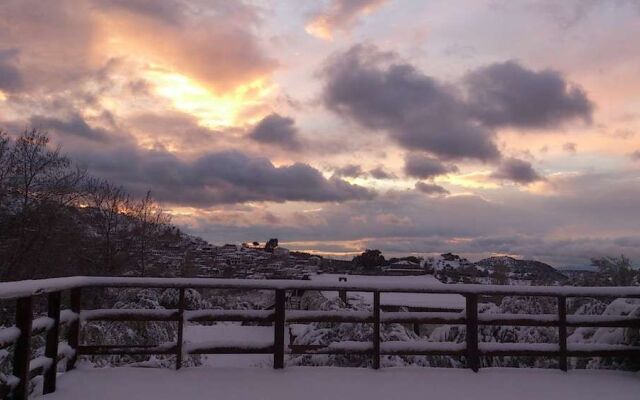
x=489, y=127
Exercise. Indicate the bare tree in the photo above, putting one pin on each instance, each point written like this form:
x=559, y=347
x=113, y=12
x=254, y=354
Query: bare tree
x=109, y=204
x=149, y=220
x=40, y=184
x=616, y=270
x=6, y=164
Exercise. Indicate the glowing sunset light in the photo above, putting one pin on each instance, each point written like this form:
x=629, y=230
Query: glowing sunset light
x=212, y=110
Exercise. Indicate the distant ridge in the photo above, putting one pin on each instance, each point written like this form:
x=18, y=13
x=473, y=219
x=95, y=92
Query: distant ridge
x=522, y=267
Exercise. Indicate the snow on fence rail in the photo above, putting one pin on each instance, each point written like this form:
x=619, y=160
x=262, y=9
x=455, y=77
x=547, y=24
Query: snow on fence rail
x=23, y=293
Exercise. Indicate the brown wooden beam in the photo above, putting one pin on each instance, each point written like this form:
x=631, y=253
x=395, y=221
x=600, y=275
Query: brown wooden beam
x=73, y=330
x=51, y=349
x=278, y=326
x=22, y=349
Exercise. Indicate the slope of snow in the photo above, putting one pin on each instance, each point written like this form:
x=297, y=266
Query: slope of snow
x=427, y=300
x=315, y=383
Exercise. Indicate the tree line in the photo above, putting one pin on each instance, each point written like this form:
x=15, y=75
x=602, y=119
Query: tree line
x=57, y=220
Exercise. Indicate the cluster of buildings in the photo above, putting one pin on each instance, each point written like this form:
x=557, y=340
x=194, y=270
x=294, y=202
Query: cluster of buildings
x=194, y=257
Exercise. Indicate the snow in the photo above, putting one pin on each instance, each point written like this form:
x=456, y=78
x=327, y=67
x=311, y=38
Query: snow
x=65, y=350
x=40, y=362
x=316, y=383
x=488, y=317
x=451, y=317
x=487, y=347
x=599, y=347
x=351, y=346
x=42, y=324
x=227, y=332
x=419, y=346
x=581, y=319
x=68, y=316
x=98, y=314
x=417, y=284
x=423, y=300
x=8, y=335
x=228, y=315
x=343, y=316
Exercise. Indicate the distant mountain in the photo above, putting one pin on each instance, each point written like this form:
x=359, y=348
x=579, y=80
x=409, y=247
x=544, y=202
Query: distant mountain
x=524, y=269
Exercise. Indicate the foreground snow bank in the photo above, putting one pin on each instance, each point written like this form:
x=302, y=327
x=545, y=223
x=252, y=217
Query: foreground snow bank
x=313, y=383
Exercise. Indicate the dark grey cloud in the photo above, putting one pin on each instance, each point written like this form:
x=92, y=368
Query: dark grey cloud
x=218, y=178
x=431, y=188
x=516, y=170
x=10, y=76
x=424, y=167
x=380, y=173
x=75, y=125
x=349, y=171
x=507, y=94
x=277, y=130
x=377, y=91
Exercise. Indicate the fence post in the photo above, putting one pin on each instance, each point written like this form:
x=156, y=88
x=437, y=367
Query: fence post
x=342, y=294
x=73, y=335
x=51, y=349
x=278, y=334
x=473, y=356
x=376, y=330
x=181, y=306
x=562, y=332
x=22, y=349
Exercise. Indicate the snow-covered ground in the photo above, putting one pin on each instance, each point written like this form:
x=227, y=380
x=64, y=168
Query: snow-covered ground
x=425, y=300
x=232, y=334
x=315, y=383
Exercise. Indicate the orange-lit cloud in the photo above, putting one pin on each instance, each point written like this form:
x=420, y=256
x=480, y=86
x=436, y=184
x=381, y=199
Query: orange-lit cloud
x=340, y=15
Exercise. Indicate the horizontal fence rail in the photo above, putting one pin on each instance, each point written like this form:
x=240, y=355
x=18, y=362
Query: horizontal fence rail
x=70, y=321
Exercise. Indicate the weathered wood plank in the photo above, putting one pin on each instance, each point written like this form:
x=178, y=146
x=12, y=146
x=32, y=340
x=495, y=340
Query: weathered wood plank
x=278, y=326
x=51, y=349
x=473, y=359
x=22, y=350
x=73, y=330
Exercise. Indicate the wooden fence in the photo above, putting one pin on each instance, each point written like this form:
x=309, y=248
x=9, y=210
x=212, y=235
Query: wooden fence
x=57, y=319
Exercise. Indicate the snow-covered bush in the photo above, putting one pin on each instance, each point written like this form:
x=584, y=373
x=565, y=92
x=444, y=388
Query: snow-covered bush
x=138, y=333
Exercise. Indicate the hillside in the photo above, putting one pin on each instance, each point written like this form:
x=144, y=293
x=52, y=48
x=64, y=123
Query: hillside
x=522, y=269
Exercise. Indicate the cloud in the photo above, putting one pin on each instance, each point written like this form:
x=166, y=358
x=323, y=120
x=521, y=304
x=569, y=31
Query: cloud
x=277, y=131
x=10, y=77
x=566, y=228
x=377, y=91
x=507, y=94
x=214, y=43
x=349, y=171
x=340, y=15
x=431, y=188
x=635, y=156
x=380, y=173
x=518, y=171
x=570, y=147
x=53, y=40
x=218, y=178
x=424, y=167
x=75, y=125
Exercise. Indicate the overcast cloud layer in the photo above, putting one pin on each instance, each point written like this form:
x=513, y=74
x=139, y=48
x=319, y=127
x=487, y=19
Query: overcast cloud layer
x=488, y=127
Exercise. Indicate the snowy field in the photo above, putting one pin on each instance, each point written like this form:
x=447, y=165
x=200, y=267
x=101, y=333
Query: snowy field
x=425, y=300
x=315, y=383
x=233, y=334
